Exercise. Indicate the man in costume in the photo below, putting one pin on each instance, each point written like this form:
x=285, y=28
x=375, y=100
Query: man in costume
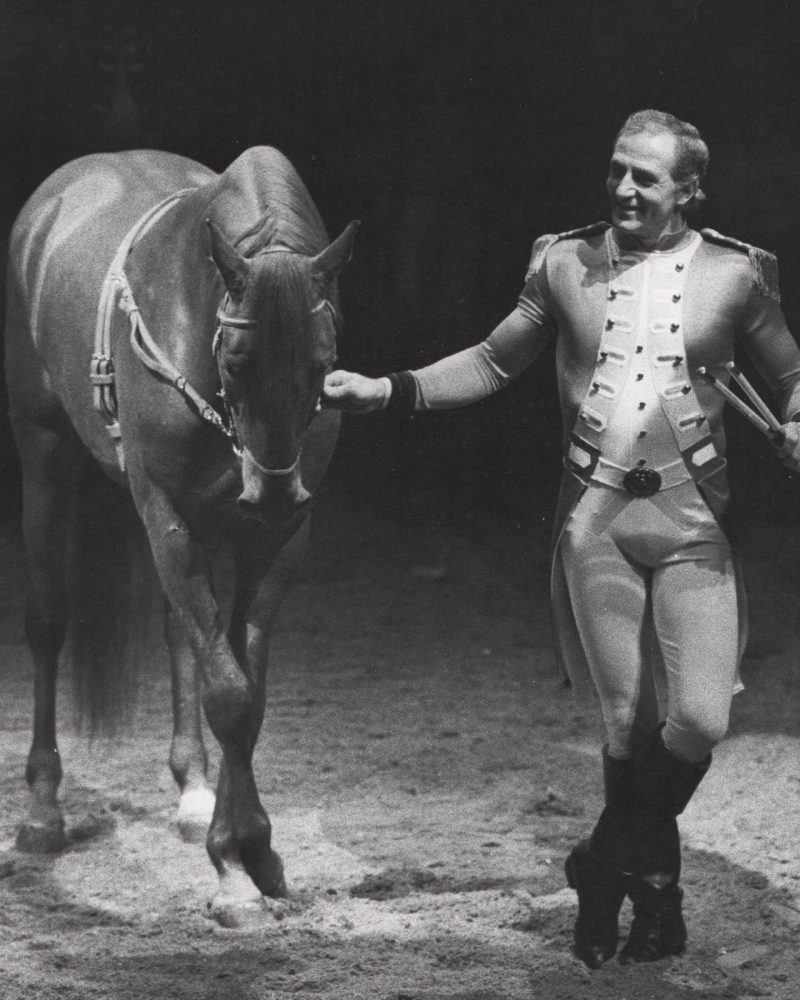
x=644, y=590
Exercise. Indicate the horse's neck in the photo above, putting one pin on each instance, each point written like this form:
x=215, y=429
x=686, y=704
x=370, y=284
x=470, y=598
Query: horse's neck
x=262, y=184
x=173, y=280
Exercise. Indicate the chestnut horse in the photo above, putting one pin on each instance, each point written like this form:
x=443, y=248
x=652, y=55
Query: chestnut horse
x=169, y=329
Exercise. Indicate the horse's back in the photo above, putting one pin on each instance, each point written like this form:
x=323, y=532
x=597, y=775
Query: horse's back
x=74, y=221
x=61, y=246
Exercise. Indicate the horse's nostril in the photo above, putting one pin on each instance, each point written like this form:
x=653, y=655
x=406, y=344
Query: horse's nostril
x=277, y=505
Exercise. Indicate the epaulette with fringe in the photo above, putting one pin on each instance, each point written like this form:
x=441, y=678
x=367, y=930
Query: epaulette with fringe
x=543, y=244
x=763, y=263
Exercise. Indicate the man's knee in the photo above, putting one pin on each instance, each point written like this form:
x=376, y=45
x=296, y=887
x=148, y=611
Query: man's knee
x=692, y=737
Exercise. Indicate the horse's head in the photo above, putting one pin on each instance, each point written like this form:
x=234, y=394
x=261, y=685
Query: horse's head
x=275, y=343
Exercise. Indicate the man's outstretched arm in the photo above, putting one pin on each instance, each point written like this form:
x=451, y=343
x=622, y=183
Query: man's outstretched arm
x=456, y=380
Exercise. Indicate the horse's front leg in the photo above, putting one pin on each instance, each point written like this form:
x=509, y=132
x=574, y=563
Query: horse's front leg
x=188, y=759
x=265, y=568
x=239, y=836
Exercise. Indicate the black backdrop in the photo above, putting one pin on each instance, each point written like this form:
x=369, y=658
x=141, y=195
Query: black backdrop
x=457, y=131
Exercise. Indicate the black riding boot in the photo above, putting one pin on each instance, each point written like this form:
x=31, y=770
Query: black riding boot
x=663, y=786
x=591, y=870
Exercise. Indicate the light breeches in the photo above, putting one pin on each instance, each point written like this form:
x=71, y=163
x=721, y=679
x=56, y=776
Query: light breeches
x=625, y=558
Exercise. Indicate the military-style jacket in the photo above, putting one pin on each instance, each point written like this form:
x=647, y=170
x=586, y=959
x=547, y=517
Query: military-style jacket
x=590, y=290
x=726, y=296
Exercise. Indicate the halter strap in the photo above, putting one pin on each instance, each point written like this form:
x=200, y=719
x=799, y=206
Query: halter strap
x=241, y=324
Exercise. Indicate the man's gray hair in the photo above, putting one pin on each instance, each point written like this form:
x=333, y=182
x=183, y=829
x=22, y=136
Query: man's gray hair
x=692, y=156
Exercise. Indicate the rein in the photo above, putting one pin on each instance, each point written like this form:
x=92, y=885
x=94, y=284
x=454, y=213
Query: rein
x=153, y=358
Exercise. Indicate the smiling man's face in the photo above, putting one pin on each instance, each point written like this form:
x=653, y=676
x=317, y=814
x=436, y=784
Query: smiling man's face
x=646, y=201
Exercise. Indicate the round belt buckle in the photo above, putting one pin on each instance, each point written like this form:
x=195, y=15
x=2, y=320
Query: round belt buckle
x=642, y=482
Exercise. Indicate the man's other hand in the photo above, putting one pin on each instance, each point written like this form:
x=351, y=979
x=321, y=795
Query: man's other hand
x=787, y=443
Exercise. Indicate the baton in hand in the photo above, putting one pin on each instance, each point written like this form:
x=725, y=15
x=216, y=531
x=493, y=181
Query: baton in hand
x=754, y=397
x=764, y=420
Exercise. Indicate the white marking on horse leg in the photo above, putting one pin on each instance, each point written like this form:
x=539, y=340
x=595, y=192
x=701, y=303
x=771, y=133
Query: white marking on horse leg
x=195, y=809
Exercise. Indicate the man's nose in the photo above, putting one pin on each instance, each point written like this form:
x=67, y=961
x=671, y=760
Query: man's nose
x=626, y=188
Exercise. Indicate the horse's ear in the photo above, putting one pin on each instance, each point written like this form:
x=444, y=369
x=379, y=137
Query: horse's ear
x=327, y=264
x=231, y=265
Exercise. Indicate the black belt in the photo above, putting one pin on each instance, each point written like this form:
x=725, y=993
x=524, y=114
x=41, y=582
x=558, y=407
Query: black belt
x=641, y=482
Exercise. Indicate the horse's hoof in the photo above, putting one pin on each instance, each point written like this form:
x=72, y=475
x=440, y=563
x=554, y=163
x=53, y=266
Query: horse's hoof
x=275, y=885
x=195, y=809
x=41, y=838
x=239, y=902
x=242, y=914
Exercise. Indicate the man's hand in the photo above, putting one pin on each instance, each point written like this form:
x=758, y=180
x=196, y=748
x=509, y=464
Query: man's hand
x=787, y=443
x=354, y=393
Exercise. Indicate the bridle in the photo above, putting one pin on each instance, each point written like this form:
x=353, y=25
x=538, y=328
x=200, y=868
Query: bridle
x=247, y=323
x=102, y=375
x=240, y=323
x=154, y=359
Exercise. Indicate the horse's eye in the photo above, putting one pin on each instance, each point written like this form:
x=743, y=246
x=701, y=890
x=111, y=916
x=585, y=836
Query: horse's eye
x=317, y=372
x=234, y=362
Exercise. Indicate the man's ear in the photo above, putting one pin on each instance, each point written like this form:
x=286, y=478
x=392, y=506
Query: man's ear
x=687, y=190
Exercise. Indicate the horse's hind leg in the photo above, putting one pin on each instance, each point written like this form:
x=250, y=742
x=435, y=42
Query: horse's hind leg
x=187, y=759
x=51, y=459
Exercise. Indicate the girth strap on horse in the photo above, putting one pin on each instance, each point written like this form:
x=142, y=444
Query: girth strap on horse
x=101, y=370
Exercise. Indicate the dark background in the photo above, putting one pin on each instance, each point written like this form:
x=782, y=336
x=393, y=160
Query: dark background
x=457, y=132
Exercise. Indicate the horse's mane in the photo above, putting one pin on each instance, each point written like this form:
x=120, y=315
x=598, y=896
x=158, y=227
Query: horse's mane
x=260, y=201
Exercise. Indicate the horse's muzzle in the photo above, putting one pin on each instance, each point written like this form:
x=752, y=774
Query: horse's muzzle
x=268, y=496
